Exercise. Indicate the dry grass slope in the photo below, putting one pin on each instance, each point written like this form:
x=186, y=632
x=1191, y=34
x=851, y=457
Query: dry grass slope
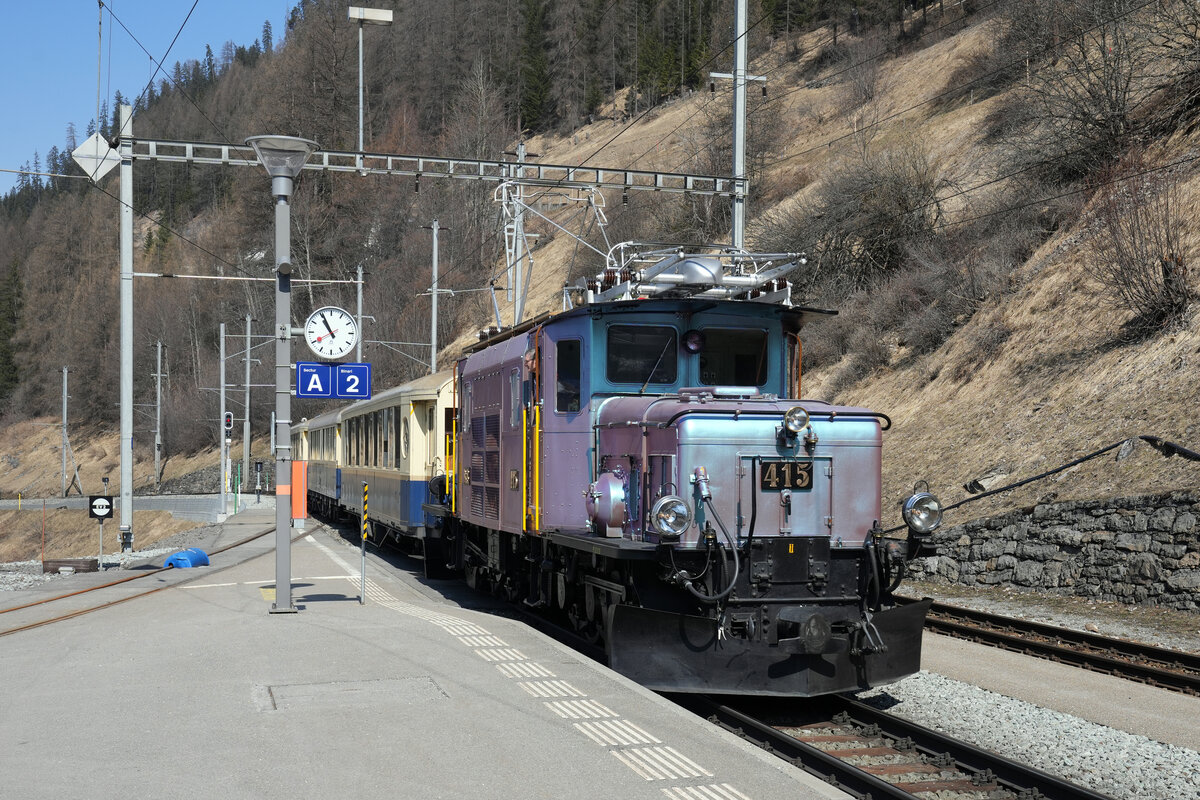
x=1035, y=377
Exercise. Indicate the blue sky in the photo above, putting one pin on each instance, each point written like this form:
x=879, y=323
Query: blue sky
x=49, y=49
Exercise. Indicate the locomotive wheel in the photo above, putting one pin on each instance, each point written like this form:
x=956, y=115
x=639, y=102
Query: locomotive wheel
x=590, y=602
x=560, y=590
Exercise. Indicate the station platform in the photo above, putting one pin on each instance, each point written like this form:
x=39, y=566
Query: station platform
x=198, y=691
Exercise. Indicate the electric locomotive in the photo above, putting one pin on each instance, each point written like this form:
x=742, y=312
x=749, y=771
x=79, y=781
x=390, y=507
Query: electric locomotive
x=636, y=464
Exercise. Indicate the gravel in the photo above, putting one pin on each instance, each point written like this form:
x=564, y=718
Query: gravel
x=1164, y=627
x=1112, y=762
x=16, y=575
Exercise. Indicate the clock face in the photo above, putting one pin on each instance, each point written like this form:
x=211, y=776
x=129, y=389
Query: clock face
x=331, y=332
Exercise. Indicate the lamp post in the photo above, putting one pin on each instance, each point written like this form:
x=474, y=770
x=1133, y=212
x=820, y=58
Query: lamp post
x=283, y=157
x=365, y=16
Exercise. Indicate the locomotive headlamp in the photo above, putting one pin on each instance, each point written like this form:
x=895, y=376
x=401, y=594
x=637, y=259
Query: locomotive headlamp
x=922, y=513
x=795, y=420
x=693, y=341
x=671, y=516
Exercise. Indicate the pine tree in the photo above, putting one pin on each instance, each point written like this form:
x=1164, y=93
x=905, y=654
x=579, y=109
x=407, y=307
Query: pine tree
x=268, y=43
x=534, y=77
x=35, y=180
x=114, y=127
x=10, y=308
x=54, y=166
x=210, y=65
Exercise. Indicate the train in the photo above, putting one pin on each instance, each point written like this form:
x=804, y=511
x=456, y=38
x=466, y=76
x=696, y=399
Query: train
x=639, y=466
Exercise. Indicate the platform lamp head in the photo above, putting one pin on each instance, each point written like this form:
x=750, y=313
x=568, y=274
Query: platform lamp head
x=283, y=157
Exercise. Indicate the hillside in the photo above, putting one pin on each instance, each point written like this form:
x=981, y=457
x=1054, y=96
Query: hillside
x=952, y=215
x=1060, y=385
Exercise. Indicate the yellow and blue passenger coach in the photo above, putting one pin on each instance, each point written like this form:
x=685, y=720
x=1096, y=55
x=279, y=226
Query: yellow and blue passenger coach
x=394, y=443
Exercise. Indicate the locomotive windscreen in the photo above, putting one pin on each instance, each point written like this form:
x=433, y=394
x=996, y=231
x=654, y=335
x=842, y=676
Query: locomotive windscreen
x=734, y=357
x=641, y=354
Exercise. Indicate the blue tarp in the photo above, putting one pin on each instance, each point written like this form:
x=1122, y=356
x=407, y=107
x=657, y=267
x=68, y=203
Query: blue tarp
x=192, y=557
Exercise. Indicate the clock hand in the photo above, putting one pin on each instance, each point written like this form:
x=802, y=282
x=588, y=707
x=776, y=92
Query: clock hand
x=326, y=321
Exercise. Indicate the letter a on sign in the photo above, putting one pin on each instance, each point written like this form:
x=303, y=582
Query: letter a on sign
x=314, y=380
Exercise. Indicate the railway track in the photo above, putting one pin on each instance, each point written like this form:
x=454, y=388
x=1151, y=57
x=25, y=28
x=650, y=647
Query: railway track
x=872, y=754
x=1157, y=666
x=93, y=601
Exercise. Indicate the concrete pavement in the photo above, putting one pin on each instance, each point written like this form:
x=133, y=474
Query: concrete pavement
x=197, y=691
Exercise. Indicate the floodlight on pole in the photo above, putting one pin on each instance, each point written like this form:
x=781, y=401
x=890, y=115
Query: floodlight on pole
x=283, y=157
x=365, y=16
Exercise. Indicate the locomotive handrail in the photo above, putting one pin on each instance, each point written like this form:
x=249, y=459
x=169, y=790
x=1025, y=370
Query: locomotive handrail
x=537, y=468
x=764, y=413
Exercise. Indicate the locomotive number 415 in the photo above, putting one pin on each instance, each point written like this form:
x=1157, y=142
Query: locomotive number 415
x=778, y=475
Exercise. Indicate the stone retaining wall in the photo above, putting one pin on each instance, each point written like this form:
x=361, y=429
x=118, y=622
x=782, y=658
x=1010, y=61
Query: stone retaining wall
x=1129, y=550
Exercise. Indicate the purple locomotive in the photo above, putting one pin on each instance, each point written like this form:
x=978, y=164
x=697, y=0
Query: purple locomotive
x=634, y=464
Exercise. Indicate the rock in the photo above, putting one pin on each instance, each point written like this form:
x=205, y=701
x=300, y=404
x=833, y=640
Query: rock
x=1028, y=573
x=1132, y=543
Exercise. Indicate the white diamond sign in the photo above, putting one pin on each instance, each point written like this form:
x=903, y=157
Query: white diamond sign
x=95, y=157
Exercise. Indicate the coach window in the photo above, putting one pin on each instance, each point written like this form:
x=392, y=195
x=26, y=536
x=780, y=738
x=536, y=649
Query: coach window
x=567, y=362
x=389, y=415
x=375, y=439
x=405, y=434
x=733, y=357
x=641, y=354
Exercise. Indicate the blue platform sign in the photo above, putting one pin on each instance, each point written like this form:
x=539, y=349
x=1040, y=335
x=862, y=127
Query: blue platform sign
x=353, y=381
x=314, y=380
x=343, y=381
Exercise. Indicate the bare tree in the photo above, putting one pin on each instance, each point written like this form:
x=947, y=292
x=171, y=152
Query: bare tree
x=1139, y=258
x=1088, y=76
x=862, y=71
x=863, y=221
x=1174, y=31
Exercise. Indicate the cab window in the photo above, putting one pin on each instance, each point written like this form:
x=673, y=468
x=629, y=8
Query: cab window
x=641, y=354
x=733, y=357
x=567, y=393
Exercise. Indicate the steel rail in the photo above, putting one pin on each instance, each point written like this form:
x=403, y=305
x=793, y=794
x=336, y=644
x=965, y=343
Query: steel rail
x=118, y=601
x=1162, y=667
x=937, y=748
